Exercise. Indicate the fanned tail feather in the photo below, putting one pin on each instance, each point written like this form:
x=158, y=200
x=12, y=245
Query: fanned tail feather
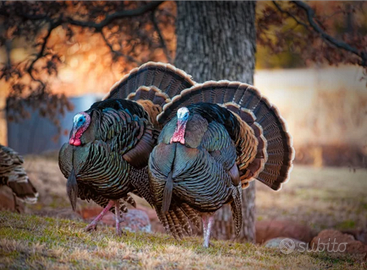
x=274, y=152
x=169, y=79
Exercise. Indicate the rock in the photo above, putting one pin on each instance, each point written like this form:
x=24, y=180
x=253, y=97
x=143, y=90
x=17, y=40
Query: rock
x=154, y=221
x=134, y=220
x=286, y=245
x=269, y=229
x=336, y=241
x=360, y=235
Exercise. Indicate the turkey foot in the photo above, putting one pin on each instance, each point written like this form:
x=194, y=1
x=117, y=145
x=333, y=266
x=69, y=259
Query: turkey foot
x=93, y=225
x=207, y=225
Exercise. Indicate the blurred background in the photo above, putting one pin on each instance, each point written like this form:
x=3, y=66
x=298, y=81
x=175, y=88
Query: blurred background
x=55, y=66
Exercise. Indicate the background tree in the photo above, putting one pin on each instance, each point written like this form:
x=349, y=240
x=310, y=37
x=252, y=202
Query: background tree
x=215, y=40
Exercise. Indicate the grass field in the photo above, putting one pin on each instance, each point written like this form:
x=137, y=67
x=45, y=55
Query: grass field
x=32, y=242
x=317, y=197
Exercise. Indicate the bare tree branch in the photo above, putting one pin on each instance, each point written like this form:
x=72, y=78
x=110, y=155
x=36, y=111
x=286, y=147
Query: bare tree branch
x=91, y=24
x=337, y=43
x=39, y=55
x=290, y=15
x=119, y=54
x=114, y=16
x=37, y=23
x=161, y=39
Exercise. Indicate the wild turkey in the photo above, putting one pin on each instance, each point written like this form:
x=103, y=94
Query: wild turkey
x=208, y=152
x=108, y=151
x=13, y=175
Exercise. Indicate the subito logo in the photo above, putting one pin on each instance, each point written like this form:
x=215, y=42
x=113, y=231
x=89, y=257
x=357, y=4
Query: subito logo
x=287, y=246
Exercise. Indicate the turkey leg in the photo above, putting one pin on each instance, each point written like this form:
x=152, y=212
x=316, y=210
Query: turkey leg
x=16, y=205
x=207, y=225
x=117, y=217
x=93, y=225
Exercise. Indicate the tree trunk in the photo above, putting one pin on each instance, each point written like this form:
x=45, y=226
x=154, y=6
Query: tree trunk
x=215, y=41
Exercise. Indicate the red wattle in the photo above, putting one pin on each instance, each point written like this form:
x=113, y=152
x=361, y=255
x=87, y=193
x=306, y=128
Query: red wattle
x=75, y=141
x=75, y=137
x=179, y=134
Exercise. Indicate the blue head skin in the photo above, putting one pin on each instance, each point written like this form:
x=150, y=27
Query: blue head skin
x=81, y=122
x=183, y=114
x=179, y=134
x=78, y=121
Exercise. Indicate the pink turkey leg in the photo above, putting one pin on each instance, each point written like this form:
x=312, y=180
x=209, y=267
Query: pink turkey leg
x=93, y=224
x=207, y=225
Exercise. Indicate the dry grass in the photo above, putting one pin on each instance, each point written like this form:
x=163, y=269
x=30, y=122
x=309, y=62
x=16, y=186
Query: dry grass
x=34, y=242
x=318, y=197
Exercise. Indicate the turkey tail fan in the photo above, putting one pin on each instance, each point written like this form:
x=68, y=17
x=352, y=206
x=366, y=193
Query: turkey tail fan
x=212, y=92
x=279, y=149
x=250, y=168
x=274, y=152
x=279, y=152
x=167, y=78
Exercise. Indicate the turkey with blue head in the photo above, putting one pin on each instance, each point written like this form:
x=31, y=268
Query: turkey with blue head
x=217, y=137
x=107, y=154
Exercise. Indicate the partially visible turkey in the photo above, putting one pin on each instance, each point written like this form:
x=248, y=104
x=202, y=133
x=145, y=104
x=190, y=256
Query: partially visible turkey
x=12, y=174
x=109, y=146
x=207, y=153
